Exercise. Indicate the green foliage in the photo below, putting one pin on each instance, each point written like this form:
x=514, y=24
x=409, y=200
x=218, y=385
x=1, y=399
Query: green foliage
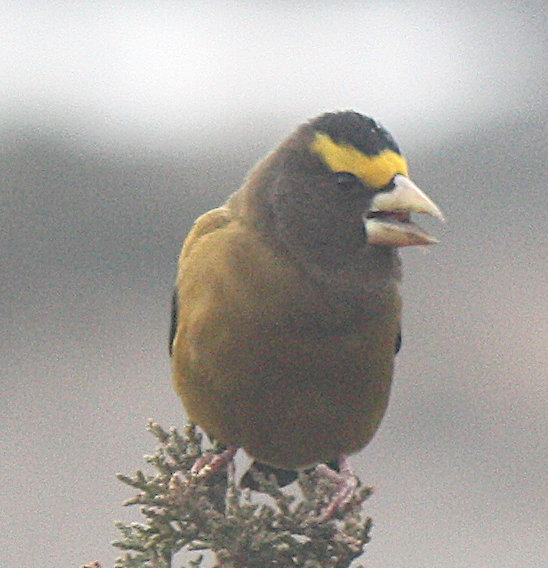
x=240, y=528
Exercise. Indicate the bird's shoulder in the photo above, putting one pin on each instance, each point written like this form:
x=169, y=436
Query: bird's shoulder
x=206, y=224
x=225, y=258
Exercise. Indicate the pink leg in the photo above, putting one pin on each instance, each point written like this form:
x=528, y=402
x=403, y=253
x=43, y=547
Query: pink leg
x=346, y=482
x=208, y=464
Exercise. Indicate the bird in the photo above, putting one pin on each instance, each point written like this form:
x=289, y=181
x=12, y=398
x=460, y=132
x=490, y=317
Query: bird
x=286, y=315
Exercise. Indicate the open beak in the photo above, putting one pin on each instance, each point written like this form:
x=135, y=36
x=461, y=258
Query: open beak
x=387, y=222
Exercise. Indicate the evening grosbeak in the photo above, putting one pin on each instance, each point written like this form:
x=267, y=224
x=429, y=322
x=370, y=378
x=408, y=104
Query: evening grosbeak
x=286, y=313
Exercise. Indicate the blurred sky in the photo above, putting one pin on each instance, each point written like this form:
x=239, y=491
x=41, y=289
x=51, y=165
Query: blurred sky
x=156, y=69
x=120, y=122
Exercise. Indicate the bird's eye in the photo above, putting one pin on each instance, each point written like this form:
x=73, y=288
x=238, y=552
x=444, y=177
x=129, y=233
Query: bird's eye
x=345, y=179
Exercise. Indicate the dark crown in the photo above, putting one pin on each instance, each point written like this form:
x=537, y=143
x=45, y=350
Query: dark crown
x=353, y=128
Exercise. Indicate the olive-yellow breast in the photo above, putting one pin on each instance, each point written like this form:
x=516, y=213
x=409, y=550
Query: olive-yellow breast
x=287, y=308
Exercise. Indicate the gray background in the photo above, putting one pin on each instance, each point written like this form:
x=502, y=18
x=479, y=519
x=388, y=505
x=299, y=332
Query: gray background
x=121, y=122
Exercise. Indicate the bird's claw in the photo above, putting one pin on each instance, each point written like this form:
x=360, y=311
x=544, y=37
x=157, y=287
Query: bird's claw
x=209, y=464
x=346, y=484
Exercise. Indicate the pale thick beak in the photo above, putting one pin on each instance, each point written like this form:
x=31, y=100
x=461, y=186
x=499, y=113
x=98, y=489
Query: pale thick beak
x=387, y=222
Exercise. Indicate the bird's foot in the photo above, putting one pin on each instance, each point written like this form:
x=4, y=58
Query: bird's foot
x=209, y=464
x=346, y=483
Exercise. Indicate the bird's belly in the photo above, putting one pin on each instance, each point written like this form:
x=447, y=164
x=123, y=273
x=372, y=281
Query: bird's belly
x=292, y=402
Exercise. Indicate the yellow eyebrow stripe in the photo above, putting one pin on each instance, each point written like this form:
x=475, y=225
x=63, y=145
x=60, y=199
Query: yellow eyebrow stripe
x=376, y=171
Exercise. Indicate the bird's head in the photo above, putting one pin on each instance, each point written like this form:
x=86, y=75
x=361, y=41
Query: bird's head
x=338, y=183
x=361, y=155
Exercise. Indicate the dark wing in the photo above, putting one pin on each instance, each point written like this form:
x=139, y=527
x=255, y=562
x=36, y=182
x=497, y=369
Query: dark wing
x=283, y=476
x=173, y=328
x=398, y=342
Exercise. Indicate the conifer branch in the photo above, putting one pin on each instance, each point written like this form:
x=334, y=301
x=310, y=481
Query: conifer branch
x=237, y=527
